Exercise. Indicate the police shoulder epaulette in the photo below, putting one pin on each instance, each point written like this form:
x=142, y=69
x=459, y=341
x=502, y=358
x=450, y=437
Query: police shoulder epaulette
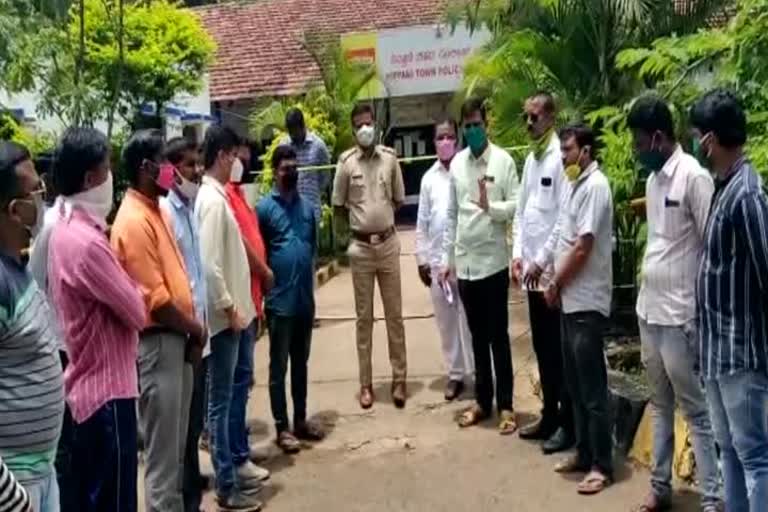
x=388, y=150
x=346, y=154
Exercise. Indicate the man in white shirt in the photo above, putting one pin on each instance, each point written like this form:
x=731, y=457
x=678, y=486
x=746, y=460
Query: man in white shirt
x=481, y=207
x=430, y=230
x=538, y=206
x=231, y=315
x=582, y=286
x=678, y=195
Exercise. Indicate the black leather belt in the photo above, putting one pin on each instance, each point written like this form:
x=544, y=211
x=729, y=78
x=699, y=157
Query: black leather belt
x=374, y=238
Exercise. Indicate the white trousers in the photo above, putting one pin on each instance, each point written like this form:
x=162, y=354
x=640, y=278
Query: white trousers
x=454, y=332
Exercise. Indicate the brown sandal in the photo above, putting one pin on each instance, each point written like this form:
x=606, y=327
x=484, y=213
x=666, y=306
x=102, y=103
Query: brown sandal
x=652, y=503
x=594, y=483
x=507, y=423
x=472, y=416
x=288, y=442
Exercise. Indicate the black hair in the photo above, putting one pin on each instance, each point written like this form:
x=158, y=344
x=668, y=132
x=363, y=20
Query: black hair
x=144, y=145
x=446, y=119
x=218, y=138
x=79, y=151
x=294, y=118
x=650, y=114
x=176, y=147
x=720, y=112
x=361, y=108
x=584, y=136
x=281, y=153
x=11, y=155
x=471, y=105
x=547, y=101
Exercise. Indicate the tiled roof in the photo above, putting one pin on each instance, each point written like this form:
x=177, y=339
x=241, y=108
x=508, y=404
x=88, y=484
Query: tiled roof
x=259, y=50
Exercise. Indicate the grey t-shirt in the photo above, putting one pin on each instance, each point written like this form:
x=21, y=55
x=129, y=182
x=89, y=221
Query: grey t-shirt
x=588, y=211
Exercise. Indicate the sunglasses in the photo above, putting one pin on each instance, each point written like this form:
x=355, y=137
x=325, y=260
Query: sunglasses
x=530, y=118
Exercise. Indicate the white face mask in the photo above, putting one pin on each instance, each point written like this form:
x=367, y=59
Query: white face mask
x=188, y=188
x=366, y=135
x=237, y=171
x=97, y=201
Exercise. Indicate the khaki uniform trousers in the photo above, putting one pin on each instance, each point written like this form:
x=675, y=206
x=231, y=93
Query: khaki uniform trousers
x=379, y=262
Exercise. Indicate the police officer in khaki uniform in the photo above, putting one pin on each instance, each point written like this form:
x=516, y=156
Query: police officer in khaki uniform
x=367, y=190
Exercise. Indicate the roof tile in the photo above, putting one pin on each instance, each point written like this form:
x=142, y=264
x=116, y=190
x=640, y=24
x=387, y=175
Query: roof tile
x=259, y=42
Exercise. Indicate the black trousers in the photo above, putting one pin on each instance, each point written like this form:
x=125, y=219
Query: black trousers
x=485, y=303
x=587, y=380
x=65, y=472
x=545, y=331
x=290, y=337
x=193, y=481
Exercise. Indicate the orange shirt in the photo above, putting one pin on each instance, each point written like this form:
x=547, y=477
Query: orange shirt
x=145, y=247
x=249, y=229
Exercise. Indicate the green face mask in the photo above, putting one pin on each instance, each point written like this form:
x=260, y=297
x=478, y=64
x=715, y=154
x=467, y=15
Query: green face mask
x=476, y=138
x=652, y=161
x=697, y=148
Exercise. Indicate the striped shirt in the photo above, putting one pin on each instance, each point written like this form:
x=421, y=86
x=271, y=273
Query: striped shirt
x=31, y=388
x=312, y=151
x=101, y=312
x=732, y=284
x=678, y=200
x=13, y=497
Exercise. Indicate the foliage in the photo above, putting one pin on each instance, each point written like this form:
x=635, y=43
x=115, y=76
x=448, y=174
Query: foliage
x=568, y=47
x=111, y=57
x=682, y=68
x=34, y=141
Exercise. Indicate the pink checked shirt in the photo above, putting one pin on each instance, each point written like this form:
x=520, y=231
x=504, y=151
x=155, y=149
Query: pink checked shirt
x=101, y=311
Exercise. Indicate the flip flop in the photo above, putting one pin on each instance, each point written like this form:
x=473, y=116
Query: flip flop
x=507, y=423
x=472, y=416
x=288, y=442
x=594, y=483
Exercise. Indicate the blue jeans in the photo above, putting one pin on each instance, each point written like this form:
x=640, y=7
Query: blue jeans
x=44, y=493
x=230, y=367
x=739, y=407
x=669, y=357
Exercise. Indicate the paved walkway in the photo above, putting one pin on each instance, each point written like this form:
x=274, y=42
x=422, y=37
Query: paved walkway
x=415, y=459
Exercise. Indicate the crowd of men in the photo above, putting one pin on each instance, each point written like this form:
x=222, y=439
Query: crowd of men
x=149, y=325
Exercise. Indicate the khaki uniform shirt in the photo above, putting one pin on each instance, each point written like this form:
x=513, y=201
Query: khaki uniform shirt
x=371, y=188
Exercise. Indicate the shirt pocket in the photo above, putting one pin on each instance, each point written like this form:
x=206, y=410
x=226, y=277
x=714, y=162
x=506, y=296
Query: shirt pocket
x=546, y=199
x=384, y=186
x=356, y=188
x=672, y=222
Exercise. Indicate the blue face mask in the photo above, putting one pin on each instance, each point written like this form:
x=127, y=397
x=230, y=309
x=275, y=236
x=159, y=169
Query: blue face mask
x=476, y=138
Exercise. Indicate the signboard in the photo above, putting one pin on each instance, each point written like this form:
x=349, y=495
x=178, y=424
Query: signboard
x=416, y=60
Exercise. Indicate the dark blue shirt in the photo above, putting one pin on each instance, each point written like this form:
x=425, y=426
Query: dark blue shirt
x=288, y=230
x=732, y=285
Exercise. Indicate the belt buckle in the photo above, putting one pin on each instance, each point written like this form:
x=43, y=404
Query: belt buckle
x=375, y=239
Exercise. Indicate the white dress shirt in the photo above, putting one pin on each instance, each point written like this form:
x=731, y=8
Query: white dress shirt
x=589, y=211
x=432, y=215
x=476, y=240
x=538, y=206
x=677, y=206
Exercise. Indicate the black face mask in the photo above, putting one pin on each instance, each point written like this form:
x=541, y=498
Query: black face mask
x=289, y=179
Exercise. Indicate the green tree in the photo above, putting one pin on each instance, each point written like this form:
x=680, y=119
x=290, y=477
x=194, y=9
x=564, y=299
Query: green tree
x=109, y=57
x=566, y=46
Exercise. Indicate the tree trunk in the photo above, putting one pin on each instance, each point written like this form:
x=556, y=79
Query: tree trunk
x=115, y=100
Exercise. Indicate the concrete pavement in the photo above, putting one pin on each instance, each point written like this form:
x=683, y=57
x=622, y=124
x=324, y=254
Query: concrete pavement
x=414, y=459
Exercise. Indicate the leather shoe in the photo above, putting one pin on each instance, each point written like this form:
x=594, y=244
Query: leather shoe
x=366, y=397
x=398, y=394
x=540, y=430
x=453, y=389
x=559, y=442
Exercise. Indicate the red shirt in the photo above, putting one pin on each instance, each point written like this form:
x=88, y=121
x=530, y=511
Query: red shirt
x=249, y=229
